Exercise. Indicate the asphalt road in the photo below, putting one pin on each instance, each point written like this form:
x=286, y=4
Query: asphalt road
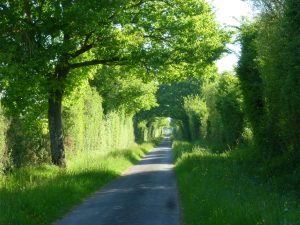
x=145, y=195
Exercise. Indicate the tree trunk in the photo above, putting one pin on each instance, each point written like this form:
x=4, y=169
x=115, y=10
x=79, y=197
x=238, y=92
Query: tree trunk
x=55, y=128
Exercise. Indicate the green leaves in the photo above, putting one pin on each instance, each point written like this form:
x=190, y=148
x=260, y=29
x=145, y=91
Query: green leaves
x=50, y=48
x=122, y=89
x=42, y=36
x=269, y=74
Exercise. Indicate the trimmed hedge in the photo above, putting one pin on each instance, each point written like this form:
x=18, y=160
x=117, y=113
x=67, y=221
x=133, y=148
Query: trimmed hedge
x=88, y=129
x=26, y=141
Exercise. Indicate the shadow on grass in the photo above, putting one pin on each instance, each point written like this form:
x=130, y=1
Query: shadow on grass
x=130, y=155
x=215, y=190
x=149, y=158
x=127, y=154
x=44, y=202
x=42, y=194
x=144, y=150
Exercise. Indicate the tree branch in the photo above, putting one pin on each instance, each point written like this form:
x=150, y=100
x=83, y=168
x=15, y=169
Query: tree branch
x=113, y=61
x=84, y=49
x=85, y=46
x=157, y=37
x=87, y=38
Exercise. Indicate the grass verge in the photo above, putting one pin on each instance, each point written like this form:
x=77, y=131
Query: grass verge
x=216, y=189
x=41, y=195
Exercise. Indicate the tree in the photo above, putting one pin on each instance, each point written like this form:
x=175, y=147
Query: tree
x=268, y=6
x=170, y=99
x=54, y=44
x=229, y=105
x=196, y=110
x=290, y=87
x=122, y=88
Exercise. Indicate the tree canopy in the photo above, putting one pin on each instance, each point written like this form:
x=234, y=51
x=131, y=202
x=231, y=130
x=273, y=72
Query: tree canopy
x=48, y=47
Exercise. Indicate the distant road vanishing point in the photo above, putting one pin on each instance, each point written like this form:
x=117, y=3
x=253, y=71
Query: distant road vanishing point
x=145, y=195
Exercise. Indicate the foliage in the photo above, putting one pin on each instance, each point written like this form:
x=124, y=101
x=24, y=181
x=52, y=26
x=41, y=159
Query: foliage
x=269, y=6
x=229, y=106
x=222, y=185
x=33, y=195
x=269, y=74
x=156, y=127
x=62, y=38
x=180, y=130
x=88, y=129
x=290, y=97
x=124, y=90
x=49, y=47
x=27, y=142
x=197, y=112
x=210, y=90
x=215, y=114
x=252, y=83
x=83, y=121
x=170, y=99
x=207, y=107
x=150, y=129
x=3, y=146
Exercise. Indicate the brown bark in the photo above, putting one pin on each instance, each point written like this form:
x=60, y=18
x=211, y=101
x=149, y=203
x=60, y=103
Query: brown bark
x=55, y=128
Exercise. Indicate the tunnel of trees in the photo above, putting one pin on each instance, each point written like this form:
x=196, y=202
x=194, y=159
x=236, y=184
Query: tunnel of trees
x=92, y=75
x=86, y=77
x=206, y=107
x=74, y=73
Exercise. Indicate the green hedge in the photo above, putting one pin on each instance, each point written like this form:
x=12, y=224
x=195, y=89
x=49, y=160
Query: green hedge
x=216, y=115
x=197, y=113
x=86, y=128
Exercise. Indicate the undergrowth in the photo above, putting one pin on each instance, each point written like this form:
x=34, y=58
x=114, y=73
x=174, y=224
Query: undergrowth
x=218, y=189
x=43, y=194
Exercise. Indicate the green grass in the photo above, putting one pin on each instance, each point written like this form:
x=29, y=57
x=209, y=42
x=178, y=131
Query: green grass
x=217, y=189
x=41, y=195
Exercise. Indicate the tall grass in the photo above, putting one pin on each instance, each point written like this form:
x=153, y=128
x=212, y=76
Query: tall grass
x=40, y=195
x=216, y=189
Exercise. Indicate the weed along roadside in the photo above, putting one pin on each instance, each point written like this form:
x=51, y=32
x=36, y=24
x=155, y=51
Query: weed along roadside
x=216, y=189
x=41, y=195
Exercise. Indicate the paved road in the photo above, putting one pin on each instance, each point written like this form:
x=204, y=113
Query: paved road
x=144, y=195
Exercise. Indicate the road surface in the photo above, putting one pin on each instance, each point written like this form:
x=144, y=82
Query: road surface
x=145, y=195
